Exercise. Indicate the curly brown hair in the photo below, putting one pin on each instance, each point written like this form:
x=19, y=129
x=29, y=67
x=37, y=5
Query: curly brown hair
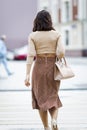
x=43, y=21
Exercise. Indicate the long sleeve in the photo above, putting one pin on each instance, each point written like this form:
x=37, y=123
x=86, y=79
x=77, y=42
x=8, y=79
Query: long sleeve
x=60, y=51
x=30, y=56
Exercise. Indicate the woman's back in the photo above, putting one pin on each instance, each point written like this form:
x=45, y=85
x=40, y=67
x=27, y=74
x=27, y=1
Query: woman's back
x=45, y=41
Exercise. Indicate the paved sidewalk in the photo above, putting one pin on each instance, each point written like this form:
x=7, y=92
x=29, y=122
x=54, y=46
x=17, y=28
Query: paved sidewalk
x=16, y=112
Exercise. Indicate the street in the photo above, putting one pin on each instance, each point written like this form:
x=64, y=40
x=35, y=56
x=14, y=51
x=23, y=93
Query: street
x=15, y=99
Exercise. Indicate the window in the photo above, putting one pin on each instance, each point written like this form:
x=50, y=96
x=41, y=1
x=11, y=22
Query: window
x=67, y=37
x=67, y=10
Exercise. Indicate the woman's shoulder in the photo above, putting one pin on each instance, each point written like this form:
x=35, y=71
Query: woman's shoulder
x=32, y=34
x=56, y=32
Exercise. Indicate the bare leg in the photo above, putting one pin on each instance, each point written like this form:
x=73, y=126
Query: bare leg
x=44, y=118
x=54, y=113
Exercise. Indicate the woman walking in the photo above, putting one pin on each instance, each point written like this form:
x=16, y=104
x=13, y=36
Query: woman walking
x=44, y=44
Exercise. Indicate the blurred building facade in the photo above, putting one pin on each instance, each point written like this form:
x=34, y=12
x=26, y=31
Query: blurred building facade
x=16, y=18
x=70, y=19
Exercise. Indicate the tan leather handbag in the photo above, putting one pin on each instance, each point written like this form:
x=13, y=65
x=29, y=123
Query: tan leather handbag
x=62, y=70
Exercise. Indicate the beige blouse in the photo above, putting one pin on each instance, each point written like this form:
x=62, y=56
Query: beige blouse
x=41, y=42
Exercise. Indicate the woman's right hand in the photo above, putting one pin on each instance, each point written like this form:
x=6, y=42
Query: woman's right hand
x=27, y=83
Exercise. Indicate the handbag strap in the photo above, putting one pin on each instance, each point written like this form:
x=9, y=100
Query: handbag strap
x=61, y=60
x=64, y=60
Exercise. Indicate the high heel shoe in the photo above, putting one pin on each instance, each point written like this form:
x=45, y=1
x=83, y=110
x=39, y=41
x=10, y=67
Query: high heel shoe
x=54, y=124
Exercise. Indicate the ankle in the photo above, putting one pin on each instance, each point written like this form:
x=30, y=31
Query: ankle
x=46, y=128
x=54, y=123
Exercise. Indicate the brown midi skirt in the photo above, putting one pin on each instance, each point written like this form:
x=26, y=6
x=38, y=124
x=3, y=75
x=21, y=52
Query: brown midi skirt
x=44, y=87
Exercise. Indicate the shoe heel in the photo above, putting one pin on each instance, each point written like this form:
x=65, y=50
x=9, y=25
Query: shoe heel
x=54, y=124
x=54, y=127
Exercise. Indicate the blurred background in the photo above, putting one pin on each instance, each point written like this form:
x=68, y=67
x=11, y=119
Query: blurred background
x=16, y=22
x=69, y=18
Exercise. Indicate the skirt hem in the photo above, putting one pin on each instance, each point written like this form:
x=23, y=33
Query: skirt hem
x=47, y=108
